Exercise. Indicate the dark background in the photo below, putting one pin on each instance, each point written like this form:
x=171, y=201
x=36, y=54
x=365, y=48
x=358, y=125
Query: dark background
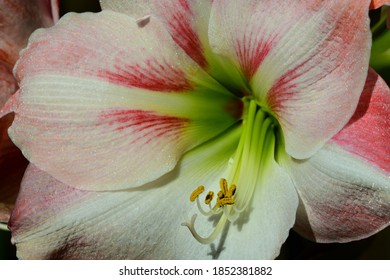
x=376, y=247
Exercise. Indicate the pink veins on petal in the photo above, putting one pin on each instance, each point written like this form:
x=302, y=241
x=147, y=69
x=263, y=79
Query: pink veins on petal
x=184, y=34
x=145, y=123
x=250, y=58
x=151, y=76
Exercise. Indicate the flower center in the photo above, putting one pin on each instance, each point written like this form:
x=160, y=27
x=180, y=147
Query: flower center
x=256, y=147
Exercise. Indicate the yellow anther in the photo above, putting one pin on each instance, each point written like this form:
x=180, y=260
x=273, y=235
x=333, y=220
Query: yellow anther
x=225, y=201
x=209, y=197
x=196, y=193
x=224, y=186
x=225, y=195
x=232, y=190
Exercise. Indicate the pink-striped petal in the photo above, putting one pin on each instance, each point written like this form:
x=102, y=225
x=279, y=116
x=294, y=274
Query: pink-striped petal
x=186, y=21
x=117, y=115
x=345, y=187
x=307, y=65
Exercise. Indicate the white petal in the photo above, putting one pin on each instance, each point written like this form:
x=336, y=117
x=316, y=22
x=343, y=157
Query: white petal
x=52, y=220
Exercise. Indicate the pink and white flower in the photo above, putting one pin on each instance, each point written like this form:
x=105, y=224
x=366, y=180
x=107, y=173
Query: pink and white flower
x=18, y=19
x=124, y=113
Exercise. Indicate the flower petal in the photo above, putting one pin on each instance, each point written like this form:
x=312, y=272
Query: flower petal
x=12, y=167
x=52, y=220
x=18, y=21
x=8, y=84
x=342, y=199
x=345, y=188
x=101, y=117
x=375, y=4
x=307, y=66
x=19, y=18
x=367, y=133
x=135, y=8
x=186, y=21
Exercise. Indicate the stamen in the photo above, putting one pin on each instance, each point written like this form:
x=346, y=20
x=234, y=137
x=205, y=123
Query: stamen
x=196, y=193
x=225, y=201
x=232, y=190
x=209, y=197
x=223, y=184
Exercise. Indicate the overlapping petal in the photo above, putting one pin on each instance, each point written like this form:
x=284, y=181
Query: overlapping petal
x=345, y=188
x=307, y=65
x=97, y=117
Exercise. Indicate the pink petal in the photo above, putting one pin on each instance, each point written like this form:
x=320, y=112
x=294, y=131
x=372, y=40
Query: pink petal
x=19, y=18
x=367, y=133
x=375, y=4
x=8, y=84
x=342, y=198
x=307, y=65
x=345, y=188
x=117, y=115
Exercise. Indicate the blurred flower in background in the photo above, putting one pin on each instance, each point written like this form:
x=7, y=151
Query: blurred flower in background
x=288, y=251
x=18, y=19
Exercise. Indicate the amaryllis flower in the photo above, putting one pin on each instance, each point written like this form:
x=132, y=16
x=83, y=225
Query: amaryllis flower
x=200, y=129
x=18, y=19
